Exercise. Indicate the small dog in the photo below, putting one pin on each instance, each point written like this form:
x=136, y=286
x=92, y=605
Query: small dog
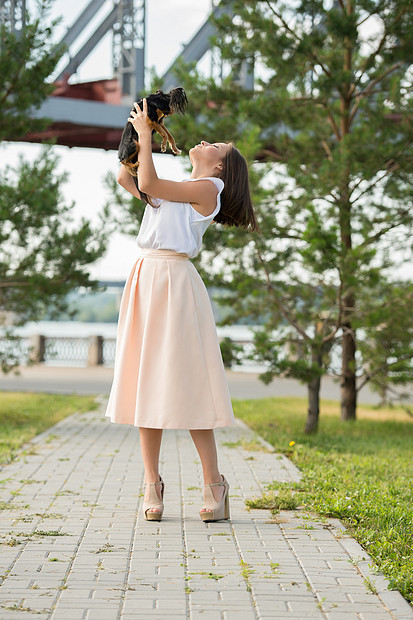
x=160, y=104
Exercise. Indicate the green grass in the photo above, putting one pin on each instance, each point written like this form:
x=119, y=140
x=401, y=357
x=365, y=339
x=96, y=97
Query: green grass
x=360, y=472
x=24, y=415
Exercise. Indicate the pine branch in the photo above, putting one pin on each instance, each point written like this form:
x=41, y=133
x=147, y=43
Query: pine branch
x=391, y=164
x=384, y=366
x=392, y=167
x=394, y=301
x=360, y=92
x=327, y=150
x=380, y=233
x=349, y=330
x=285, y=235
x=336, y=199
x=398, y=395
x=377, y=51
x=281, y=307
x=12, y=84
x=339, y=302
x=332, y=121
x=13, y=80
x=291, y=31
x=308, y=98
x=9, y=284
x=378, y=9
x=273, y=155
x=368, y=90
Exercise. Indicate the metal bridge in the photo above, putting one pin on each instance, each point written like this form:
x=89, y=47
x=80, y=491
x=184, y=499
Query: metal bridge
x=93, y=114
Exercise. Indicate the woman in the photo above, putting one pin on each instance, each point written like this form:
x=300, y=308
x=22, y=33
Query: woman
x=168, y=366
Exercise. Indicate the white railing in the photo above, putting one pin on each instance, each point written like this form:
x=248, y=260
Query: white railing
x=84, y=350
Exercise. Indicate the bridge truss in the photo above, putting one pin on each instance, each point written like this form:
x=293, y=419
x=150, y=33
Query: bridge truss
x=93, y=114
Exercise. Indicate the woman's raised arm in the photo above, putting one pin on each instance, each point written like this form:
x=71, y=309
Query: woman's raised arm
x=125, y=179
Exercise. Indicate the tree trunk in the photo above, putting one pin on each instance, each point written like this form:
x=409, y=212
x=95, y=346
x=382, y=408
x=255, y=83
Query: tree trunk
x=348, y=362
x=348, y=376
x=311, y=425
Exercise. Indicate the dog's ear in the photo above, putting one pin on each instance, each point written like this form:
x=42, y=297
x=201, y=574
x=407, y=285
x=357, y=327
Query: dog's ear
x=126, y=145
x=178, y=100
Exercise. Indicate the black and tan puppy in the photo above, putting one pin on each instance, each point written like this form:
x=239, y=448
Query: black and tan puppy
x=160, y=104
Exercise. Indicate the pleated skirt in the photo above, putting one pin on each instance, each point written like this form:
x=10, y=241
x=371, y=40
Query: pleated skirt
x=168, y=370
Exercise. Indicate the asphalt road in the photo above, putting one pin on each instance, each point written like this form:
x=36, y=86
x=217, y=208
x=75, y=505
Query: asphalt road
x=97, y=380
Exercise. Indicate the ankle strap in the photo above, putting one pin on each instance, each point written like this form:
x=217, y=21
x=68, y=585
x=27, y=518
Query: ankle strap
x=215, y=484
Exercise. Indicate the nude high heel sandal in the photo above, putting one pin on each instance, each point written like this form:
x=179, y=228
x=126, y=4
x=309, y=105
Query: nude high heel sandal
x=153, y=501
x=216, y=510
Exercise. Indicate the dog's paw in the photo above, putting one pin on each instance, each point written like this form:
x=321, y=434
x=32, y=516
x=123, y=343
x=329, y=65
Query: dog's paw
x=163, y=148
x=176, y=151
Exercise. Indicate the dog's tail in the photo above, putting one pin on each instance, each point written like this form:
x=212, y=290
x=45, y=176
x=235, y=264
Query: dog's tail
x=178, y=101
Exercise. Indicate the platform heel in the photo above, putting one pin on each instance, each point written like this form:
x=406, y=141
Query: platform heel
x=215, y=510
x=153, y=501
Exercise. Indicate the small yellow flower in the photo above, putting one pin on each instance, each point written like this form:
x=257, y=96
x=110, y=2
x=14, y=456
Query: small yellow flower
x=291, y=444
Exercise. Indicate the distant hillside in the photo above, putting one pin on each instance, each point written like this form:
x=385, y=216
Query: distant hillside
x=103, y=307
x=99, y=307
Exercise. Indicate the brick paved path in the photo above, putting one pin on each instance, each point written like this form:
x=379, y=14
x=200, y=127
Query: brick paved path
x=76, y=545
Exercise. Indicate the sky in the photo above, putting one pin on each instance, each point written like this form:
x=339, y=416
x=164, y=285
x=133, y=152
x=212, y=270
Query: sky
x=169, y=25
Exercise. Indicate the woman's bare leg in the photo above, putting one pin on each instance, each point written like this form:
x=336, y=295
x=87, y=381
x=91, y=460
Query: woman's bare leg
x=204, y=440
x=151, y=439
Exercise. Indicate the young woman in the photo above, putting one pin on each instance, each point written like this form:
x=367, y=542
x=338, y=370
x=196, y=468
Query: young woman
x=168, y=367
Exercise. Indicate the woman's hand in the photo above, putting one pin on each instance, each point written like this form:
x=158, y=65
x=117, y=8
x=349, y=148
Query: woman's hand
x=139, y=118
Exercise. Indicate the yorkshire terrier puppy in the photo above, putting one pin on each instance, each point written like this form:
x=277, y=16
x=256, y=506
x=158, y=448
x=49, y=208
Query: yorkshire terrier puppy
x=159, y=105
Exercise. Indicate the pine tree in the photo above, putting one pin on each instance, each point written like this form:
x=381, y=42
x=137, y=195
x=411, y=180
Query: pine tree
x=333, y=105
x=331, y=117
x=43, y=253
x=27, y=59
x=387, y=343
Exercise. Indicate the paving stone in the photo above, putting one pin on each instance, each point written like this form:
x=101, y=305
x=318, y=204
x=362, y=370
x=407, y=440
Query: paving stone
x=115, y=564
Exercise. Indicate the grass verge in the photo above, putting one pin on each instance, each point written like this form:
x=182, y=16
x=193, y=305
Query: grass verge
x=360, y=472
x=24, y=415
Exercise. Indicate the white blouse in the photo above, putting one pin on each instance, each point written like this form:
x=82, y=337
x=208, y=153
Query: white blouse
x=176, y=225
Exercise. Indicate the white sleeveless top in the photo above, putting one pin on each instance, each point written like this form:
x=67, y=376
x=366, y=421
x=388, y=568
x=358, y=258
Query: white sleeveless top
x=176, y=225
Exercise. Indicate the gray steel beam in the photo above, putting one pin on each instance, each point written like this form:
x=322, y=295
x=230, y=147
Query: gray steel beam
x=90, y=44
x=80, y=112
x=197, y=46
x=82, y=21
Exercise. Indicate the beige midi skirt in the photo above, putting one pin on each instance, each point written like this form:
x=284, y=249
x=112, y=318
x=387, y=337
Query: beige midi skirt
x=168, y=369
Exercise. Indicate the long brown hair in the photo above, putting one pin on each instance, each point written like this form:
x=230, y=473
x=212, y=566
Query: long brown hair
x=236, y=205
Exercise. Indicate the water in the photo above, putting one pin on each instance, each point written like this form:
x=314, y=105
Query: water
x=79, y=329
x=68, y=329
